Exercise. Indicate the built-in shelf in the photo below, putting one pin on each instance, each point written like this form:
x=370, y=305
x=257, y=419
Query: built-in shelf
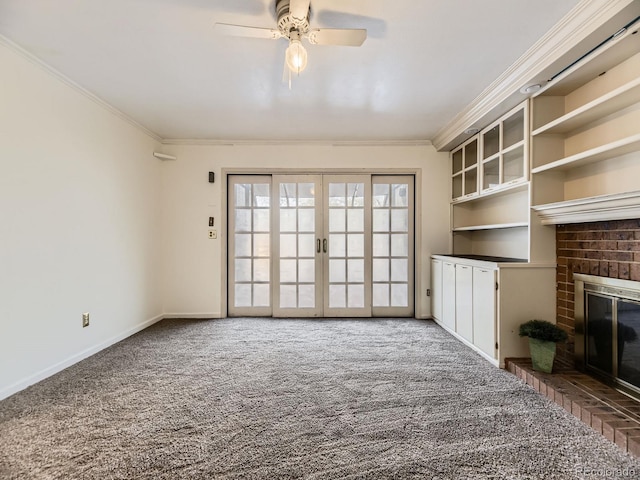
x=592, y=209
x=601, y=60
x=582, y=129
x=602, y=152
x=601, y=107
x=495, y=226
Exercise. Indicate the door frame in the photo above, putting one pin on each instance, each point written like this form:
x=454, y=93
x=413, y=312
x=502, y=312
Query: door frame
x=416, y=172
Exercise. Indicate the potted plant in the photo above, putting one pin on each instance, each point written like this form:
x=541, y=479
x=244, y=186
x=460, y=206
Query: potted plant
x=543, y=337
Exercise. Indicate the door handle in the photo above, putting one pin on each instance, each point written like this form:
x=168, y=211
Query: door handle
x=324, y=245
x=318, y=246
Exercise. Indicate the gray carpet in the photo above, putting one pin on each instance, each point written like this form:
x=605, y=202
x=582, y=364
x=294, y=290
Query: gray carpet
x=268, y=399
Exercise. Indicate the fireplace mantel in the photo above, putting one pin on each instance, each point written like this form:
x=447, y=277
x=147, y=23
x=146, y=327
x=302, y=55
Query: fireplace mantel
x=619, y=206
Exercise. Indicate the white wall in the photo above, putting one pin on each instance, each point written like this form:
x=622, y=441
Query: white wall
x=194, y=280
x=91, y=222
x=80, y=225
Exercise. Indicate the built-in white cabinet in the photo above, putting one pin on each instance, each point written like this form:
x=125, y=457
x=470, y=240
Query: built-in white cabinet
x=504, y=150
x=436, y=289
x=464, y=170
x=570, y=153
x=484, y=309
x=481, y=225
x=487, y=301
x=586, y=130
x=448, y=295
x=464, y=303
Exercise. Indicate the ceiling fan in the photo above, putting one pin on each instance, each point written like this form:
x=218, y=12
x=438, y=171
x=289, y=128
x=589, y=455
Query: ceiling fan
x=293, y=24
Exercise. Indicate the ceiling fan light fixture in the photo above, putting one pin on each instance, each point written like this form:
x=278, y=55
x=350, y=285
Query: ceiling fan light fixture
x=296, y=56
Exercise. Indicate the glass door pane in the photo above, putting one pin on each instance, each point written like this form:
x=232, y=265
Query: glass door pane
x=628, y=316
x=392, y=250
x=513, y=165
x=297, y=227
x=599, y=314
x=249, y=245
x=491, y=174
x=348, y=245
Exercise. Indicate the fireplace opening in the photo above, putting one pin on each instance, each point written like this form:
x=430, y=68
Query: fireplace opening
x=607, y=315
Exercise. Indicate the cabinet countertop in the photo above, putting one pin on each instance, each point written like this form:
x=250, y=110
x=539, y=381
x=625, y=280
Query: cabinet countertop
x=490, y=261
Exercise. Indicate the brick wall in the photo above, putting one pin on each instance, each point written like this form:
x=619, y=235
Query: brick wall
x=608, y=249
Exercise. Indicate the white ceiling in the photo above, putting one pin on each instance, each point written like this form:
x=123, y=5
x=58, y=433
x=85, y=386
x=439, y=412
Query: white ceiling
x=161, y=63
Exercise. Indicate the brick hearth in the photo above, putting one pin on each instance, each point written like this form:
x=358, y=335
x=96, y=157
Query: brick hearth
x=603, y=408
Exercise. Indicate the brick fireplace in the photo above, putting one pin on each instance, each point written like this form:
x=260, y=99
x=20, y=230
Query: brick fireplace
x=607, y=249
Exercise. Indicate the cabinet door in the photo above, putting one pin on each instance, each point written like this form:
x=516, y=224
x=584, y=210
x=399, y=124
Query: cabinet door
x=464, y=302
x=484, y=310
x=504, y=147
x=436, y=289
x=448, y=295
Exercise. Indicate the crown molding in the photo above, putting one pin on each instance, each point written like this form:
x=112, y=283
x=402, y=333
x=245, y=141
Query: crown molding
x=78, y=88
x=326, y=143
x=582, y=20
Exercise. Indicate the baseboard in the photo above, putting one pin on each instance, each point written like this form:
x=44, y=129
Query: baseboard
x=194, y=315
x=58, y=367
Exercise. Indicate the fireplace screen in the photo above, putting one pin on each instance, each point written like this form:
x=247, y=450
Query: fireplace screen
x=611, y=331
x=613, y=326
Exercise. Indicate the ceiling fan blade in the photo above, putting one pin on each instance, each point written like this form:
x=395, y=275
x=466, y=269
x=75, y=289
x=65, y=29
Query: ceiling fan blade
x=337, y=36
x=299, y=9
x=243, y=31
x=376, y=27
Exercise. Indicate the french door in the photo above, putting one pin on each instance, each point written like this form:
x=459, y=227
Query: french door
x=321, y=245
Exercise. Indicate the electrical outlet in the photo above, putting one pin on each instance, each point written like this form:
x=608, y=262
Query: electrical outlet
x=213, y=234
x=85, y=319
x=428, y=292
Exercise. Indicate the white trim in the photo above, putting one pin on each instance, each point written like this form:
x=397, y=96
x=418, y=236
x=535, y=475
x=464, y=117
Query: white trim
x=582, y=20
x=620, y=206
x=73, y=359
x=203, y=316
x=329, y=143
x=80, y=89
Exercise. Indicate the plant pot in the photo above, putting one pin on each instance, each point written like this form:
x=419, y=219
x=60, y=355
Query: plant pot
x=542, y=354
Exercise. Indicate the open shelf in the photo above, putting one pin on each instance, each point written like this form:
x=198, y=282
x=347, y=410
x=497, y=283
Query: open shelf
x=602, y=152
x=603, y=106
x=494, y=226
x=590, y=67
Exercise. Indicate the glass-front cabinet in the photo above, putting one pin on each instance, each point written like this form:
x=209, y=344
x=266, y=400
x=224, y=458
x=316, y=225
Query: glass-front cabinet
x=503, y=145
x=464, y=169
